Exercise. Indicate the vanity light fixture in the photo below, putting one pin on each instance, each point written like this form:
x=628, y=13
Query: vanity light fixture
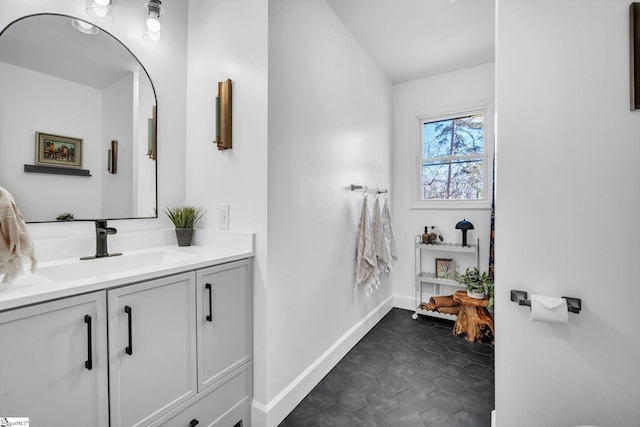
x=101, y=10
x=152, y=21
x=84, y=27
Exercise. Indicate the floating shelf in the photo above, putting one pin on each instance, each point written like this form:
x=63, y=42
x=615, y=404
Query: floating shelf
x=56, y=170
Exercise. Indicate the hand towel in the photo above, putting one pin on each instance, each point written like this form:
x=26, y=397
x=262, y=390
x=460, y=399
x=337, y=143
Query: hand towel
x=549, y=309
x=389, y=236
x=15, y=243
x=366, y=264
x=379, y=242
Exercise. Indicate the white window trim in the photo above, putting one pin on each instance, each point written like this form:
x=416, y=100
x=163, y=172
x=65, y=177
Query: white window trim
x=483, y=106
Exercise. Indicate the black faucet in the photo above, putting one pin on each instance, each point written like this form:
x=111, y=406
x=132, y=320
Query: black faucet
x=102, y=231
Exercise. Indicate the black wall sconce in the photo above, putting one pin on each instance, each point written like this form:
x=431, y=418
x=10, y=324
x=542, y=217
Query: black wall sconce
x=634, y=57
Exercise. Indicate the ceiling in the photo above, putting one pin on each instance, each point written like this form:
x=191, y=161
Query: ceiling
x=411, y=39
x=49, y=44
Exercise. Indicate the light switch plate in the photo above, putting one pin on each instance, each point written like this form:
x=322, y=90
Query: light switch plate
x=223, y=216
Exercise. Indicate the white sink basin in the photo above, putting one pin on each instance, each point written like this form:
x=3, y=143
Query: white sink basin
x=125, y=264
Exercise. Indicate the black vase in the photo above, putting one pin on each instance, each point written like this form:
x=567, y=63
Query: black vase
x=184, y=236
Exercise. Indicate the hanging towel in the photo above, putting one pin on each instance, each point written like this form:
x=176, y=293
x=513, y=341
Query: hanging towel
x=378, y=238
x=366, y=265
x=389, y=236
x=15, y=244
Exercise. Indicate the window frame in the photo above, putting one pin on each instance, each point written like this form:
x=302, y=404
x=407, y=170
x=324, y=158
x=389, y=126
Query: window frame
x=484, y=107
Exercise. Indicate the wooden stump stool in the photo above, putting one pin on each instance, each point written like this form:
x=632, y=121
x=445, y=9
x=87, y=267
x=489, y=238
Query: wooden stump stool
x=474, y=321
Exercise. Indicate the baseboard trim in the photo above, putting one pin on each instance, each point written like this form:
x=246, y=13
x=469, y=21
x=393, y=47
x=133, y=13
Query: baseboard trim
x=276, y=410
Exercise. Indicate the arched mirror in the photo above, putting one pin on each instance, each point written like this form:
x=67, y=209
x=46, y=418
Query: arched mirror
x=77, y=122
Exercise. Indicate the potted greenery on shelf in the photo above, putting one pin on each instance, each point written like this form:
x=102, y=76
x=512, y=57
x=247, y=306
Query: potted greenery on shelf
x=184, y=218
x=477, y=283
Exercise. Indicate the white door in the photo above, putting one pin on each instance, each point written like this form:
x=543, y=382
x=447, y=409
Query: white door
x=224, y=320
x=53, y=364
x=152, y=348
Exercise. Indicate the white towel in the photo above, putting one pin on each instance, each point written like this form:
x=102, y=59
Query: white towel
x=15, y=244
x=389, y=236
x=382, y=254
x=366, y=265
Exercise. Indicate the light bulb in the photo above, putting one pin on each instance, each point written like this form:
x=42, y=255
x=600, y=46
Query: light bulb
x=153, y=24
x=154, y=36
x=84, y=25
x=100, y=11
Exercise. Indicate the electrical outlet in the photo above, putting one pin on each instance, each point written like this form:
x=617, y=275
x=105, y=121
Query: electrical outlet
x=223, y=216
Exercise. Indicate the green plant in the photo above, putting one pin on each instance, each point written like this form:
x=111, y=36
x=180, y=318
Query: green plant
x=184, y=216
x=476, y=281
x=65, y=217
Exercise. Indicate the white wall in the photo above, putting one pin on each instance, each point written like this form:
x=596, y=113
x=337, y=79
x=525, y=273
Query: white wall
x=118, y=120
x=329, y=126
x=439, y=94
x=166, y=64
x=27, y=99
x=567, y=199
x=228, y=40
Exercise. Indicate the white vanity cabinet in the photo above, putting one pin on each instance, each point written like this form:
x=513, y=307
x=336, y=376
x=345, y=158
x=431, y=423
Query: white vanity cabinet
x=53, y=362
x=224, y=321
x=169, y=351
x=152, y=348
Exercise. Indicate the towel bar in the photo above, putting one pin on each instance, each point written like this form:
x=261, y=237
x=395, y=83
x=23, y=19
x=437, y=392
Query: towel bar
x=574, y=305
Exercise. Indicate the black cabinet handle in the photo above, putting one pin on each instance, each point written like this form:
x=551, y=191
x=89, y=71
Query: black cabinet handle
x=210, y=316
x=89, y=362
x=129, y=349
x=194, y=422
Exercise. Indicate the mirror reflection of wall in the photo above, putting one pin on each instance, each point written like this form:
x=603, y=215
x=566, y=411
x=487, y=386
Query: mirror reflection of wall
x=57, y=80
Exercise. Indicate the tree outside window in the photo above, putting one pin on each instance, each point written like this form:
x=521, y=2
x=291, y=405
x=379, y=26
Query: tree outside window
x=453, y=158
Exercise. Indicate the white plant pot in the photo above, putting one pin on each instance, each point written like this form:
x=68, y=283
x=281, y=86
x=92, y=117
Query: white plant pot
x=476, y=295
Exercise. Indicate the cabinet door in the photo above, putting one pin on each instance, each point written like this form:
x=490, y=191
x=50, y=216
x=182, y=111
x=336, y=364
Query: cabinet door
x=152, y=348
x=53, y=365
x=224, y=324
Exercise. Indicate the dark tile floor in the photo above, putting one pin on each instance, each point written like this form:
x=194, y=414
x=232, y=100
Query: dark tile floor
x=404, y=373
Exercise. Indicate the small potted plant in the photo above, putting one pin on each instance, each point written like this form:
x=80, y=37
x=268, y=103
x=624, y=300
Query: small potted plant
x=184, y=218
x=477, y=283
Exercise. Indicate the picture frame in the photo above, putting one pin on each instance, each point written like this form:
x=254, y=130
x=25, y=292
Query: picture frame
x=57, y=150
x=445, y=268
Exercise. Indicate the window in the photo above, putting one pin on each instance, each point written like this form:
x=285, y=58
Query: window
x=453, y=160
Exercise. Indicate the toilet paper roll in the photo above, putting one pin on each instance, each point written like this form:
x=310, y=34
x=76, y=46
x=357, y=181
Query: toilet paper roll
x=549, y=309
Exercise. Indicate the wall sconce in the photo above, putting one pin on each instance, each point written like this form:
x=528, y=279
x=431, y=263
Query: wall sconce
x=112, y=158
x=223, y=115
x=101, y=10
x=152, y=21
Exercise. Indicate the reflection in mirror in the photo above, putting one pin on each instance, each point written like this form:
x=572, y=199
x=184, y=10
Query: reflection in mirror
x=75, y=86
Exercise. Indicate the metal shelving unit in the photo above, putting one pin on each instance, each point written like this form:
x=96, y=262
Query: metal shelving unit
x=429, y=277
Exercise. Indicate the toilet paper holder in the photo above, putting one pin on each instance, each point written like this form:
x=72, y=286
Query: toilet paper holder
x=574, y=305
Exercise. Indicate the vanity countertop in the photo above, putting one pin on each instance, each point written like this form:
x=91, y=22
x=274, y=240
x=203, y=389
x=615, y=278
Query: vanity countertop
x=63, y=278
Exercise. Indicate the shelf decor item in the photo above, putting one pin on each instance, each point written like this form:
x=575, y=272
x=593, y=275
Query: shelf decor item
x=464, y=226
x=445, y=268
x=477, y=283
x=184, y=218
x=433, y=236
x=60, y=151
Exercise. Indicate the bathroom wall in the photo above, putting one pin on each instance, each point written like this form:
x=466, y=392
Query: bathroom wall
x=27, y=98
x=329, y=127
x=228, y=40
x=432, y=95
x=166, y=64
x=567, y=202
